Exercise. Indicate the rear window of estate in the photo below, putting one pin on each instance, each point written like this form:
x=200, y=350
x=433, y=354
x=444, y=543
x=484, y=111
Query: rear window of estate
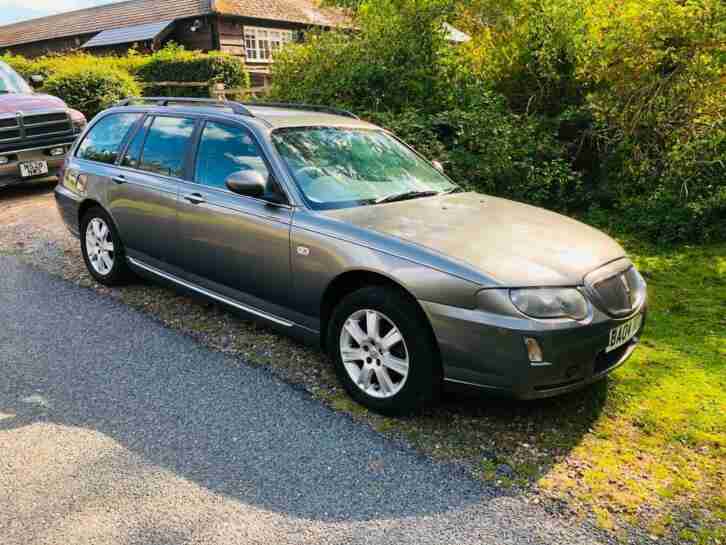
x=104, y=140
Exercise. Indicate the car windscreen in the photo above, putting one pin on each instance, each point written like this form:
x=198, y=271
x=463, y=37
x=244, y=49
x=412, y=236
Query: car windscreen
x=339, y=167
x=11, y=82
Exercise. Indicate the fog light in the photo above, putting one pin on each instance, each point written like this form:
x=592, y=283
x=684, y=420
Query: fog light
x=534, y=351
x=57, y=152
x=4, y=160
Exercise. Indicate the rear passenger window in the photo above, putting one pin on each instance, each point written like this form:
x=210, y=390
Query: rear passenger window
x=133, y=152
x=103, y=141
x=224, y=150
x=166, y=146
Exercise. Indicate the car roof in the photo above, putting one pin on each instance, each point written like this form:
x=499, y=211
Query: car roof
x=270, y=116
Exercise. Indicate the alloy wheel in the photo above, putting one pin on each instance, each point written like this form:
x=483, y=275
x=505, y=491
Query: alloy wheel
x=99, y=246
x=374, y=353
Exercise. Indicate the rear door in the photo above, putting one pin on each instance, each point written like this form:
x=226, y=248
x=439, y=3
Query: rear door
x=143, y=197
x=231, y=241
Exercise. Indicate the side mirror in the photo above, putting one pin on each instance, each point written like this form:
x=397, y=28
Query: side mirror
x=438, y=166
x=36, y=80
x=249, y=183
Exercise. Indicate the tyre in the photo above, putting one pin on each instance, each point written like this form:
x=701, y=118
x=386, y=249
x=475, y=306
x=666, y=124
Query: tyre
x=102, y=248
x=384, y=352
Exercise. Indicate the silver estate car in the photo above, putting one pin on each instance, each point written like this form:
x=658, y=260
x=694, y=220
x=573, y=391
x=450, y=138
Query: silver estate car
x=335, y=231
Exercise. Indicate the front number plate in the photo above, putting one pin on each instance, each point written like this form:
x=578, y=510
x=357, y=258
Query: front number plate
x=33, y=168
x=622, y=334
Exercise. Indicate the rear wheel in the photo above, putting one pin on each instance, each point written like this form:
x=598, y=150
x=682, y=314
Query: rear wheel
x=102, y=248
x=384, y=352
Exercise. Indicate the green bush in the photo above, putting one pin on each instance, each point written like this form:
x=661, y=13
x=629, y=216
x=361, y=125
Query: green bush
x=91, y=89
x=399, y=71
x=391, y=62
x=174, y=63
x=488, y=149
x=24, y=67
x=635, y=88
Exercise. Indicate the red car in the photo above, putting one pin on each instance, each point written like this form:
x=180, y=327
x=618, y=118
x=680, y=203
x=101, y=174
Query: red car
x=36, y=130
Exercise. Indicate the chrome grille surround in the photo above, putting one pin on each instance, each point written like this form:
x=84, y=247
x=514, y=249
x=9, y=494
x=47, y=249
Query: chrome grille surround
x=33, y=126
x=617, y=289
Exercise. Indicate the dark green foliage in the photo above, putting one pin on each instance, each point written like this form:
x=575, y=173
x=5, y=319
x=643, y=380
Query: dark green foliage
x=488, y=149
x=392, y=62
x=612, y=105
x=91, y=89
x=400, y=72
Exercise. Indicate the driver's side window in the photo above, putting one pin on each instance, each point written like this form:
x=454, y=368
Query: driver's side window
x=224, y=150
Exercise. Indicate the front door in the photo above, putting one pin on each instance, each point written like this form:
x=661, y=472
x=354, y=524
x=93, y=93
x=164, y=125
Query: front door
x=231, y=243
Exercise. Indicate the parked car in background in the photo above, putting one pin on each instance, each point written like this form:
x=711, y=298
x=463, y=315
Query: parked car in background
x=332, y=229
x=36, y=130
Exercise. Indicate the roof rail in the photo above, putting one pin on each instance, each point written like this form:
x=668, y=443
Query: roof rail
x=236, y=107
x=309, y=107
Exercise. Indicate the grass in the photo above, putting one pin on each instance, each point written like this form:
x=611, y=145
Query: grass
x=656, y=451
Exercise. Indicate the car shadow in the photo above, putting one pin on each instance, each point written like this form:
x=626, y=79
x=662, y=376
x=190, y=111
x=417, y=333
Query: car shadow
x=13, y=193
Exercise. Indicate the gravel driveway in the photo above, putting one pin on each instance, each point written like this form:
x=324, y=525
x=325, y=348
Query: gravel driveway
x=115, y=429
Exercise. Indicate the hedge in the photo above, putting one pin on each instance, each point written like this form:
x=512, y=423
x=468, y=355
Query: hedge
x=173, y=63
x=129, y=72
x=91, y=89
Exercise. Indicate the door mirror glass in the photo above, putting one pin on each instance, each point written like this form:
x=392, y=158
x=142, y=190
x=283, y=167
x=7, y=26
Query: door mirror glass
x=36, y=80
x=438, y=166
x=249, y=183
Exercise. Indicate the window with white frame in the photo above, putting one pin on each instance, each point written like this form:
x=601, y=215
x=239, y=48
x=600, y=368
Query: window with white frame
x=261, y=43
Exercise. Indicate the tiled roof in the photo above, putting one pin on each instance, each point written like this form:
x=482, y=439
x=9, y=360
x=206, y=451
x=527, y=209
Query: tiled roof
x=296, y=11
x=86, y=21
x=138, y=12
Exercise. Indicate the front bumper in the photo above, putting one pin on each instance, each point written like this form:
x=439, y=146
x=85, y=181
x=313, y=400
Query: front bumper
x=487, y=351
x=10, y=172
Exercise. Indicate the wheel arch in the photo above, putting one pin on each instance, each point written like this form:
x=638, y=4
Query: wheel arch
x=86, y=205
x=353, y=280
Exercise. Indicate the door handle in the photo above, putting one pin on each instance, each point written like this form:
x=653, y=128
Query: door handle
x=120, y=179
x=195, y=198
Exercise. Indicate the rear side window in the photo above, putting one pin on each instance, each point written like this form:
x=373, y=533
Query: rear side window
x=133, y=152
x=224, y=150
x=103, y=141
x=166, y=146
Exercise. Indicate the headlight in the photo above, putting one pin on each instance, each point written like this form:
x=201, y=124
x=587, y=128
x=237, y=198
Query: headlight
x=79, y=121
x=551, y=303
x=79, y=125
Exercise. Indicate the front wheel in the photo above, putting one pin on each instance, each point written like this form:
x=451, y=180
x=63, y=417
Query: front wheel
x=384, y=352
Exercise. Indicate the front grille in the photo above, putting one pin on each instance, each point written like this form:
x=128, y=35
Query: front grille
x=46, y=124
x=8, y=122
x=617, y=293
x=35, y=126
x=617, y=289
x=30, y=119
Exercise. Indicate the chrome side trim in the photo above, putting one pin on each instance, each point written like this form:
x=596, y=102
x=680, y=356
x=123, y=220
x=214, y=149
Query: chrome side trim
x=211, y=294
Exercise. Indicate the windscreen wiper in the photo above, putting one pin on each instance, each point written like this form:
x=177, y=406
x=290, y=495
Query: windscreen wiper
x=405, y=196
